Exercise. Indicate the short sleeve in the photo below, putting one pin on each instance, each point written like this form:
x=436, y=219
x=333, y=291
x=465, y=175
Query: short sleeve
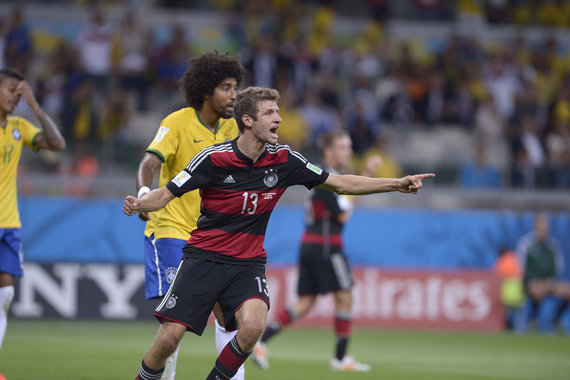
x=29, y=132
x=194, y=176
x=165, y=142
x=303, y=172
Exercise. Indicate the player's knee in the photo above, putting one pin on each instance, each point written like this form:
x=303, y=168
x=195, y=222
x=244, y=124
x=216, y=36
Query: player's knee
x=168, y=344
x=250, y=332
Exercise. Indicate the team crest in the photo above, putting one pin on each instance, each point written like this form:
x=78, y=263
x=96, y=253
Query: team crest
x=270, y=178
x=16, y=133
x=169, y=274
x=171, y=302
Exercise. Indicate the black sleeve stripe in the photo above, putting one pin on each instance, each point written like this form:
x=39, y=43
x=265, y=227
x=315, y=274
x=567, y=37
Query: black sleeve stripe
x=197, y=160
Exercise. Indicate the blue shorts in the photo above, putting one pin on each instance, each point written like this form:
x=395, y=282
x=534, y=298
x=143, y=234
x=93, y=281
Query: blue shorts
x=11, y=254
x=161, y=260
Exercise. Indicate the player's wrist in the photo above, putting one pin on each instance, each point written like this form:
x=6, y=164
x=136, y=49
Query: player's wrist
x=142, y=191
x=399, y=184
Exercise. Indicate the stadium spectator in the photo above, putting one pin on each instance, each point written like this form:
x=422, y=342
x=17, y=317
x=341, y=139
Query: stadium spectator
x=478, y=173
x=262, y=62
x=94, y=43
x=489, y=123
x=433, y=108
x=558, y=146
x=320, y=116
x=132, y=43
x=170, y=62
x=362, y=117
x=389, y=166
x=80, y=119
x=17, y=41
x=52, y=81
x=114, y=118
x=245, y=178
x=503, y=85
x=323, y=266
x=543, y=262
x=15, y=133
x=532, y=143
x=362, y=131
x=209, y=86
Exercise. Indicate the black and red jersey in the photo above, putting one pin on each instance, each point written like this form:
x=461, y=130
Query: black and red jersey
x=323, y=209
x=238, y=197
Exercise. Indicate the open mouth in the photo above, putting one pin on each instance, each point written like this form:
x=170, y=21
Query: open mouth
x=274, y=131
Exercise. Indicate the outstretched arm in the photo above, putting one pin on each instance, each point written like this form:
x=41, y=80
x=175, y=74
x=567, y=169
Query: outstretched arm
x=359, y=185
x=154, y=200
x=51, y=138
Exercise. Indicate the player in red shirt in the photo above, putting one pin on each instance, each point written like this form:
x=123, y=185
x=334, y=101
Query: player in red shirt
x=240, y=183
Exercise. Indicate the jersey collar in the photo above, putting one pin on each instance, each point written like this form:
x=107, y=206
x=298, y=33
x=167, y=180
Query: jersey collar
x=204, y=124
x=245, y=158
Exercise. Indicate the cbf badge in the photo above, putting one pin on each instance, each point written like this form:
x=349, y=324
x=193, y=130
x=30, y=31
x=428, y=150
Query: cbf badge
x=270, y=178
x=170, y=273
x=16, y=133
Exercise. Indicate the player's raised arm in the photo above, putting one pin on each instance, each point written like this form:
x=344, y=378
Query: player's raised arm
x=51, y=138
x=359, y=185
x=151, y=201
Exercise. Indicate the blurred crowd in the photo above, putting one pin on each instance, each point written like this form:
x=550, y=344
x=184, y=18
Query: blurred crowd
x=516, y=93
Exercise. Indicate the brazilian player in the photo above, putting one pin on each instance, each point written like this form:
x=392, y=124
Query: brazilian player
x=209, y=86
x=15, y=132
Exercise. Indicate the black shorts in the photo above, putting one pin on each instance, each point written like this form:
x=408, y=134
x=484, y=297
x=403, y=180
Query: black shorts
x=200, y=283
x=323, y=270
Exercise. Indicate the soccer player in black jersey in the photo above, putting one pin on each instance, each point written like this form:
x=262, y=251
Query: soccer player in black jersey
x=240, y=182
x=323, y=266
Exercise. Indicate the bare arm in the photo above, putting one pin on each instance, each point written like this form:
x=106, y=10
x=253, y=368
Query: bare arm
x=359, y=185
x=147, y=169
x=51, y=138
x=154, y=200
x=145, y=175
x=370, y=167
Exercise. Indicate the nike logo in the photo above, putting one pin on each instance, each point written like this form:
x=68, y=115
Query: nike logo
x=197, y=141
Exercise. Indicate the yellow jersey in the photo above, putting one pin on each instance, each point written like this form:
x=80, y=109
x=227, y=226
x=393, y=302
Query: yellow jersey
x=181, y=135
x=16, y=133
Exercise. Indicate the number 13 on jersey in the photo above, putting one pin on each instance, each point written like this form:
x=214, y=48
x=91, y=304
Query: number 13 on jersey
x=262, y=285
x=249, y=203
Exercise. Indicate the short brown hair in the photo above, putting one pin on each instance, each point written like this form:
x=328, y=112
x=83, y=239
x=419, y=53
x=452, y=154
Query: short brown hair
x=247, y=102
x=327, y=139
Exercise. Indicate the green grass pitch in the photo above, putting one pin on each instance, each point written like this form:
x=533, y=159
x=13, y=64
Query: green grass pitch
x=82, y=350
